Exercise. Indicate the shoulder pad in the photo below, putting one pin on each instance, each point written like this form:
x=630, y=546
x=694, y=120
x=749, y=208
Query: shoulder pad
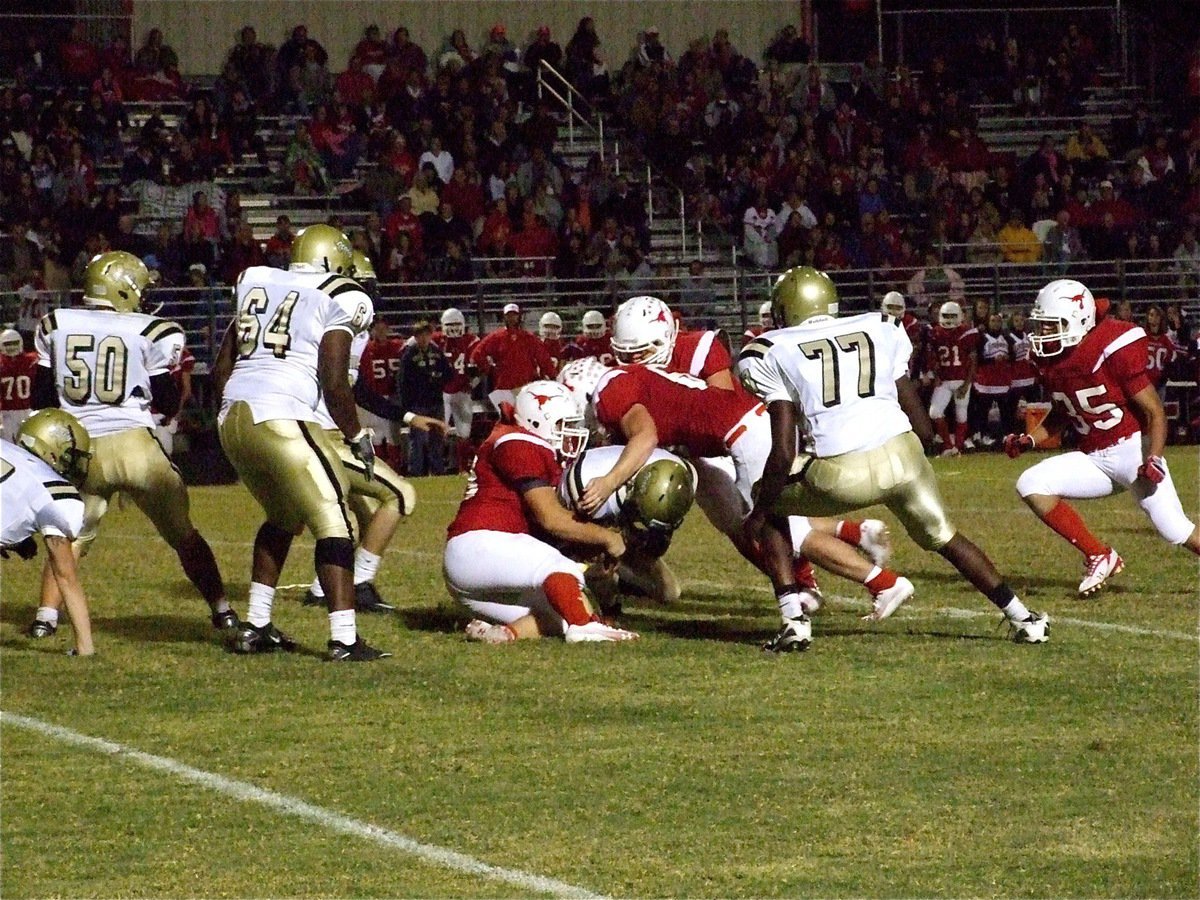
x=159, y=329
x=756, y=349
x=48, y=323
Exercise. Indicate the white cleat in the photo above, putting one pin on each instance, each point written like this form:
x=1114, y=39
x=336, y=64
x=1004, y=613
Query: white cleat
x=1099, y=569
x=1033, y=630
x=795, y=636
x=811, y=600
x=888, y=601
x=876, y=541
x=597, y=631
x=949, y=452
x=489, y=633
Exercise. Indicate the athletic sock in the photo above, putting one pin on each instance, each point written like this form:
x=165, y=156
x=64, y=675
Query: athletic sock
x=960, y=434
x=1063, y=519
x=366, y=565
x=220, y=606
x=261, y=597
x=849, y=531
x=315, y=588
x=1008, y=602
x=879, y=580
x=565, y=595
x=47, y=614
x=943, y=431
x=789, y=601
x=342, y=627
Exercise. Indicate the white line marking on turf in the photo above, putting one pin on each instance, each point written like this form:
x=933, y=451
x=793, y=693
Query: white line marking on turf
x=292, y=806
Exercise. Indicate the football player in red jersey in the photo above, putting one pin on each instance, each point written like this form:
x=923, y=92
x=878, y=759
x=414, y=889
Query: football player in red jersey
x=1160, y=347
x=377, y=368
x=550, y=331
x=645, y=332
x=952, y=360
x=497, y=562
x=456, y=344
x=181, y=372
x=1095, y=374
x=765, y=322
x=512, y=357
x=593, y=340
x=646, y=407
x=16, y=382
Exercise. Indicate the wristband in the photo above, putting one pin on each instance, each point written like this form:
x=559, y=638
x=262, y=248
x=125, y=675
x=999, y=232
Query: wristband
x=408, y=418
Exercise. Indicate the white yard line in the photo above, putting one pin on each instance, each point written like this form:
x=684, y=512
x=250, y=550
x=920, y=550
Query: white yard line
x=293, y=806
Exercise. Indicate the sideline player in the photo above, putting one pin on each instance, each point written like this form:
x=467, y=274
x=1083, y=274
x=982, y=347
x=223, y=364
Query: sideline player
x=1095, y=374
x=550, y=331
x=456, y=344
x=35, y=499
x=496, y=561
x=847, y=379
x=765, y=322
x=287, y=349
x=107, y=364
x=952, y=360
x=593, y=339
x=17, y=369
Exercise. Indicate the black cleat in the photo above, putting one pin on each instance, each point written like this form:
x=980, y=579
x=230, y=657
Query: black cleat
x=367, y=599
x=225, y=621
x=267, y=639
x=41, y=629
x=359, y=651
x=311, y=599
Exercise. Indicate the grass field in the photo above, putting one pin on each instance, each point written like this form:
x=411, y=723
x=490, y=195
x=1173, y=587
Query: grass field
x=922, y=756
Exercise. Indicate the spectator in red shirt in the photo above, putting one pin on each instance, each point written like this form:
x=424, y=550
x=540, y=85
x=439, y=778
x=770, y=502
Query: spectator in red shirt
x=534, y=240
x=355, y=84
x=201, y=218
x=402, y=221
x=370, y=54
x=279, y=245
x=511, y=357
x=79, y=57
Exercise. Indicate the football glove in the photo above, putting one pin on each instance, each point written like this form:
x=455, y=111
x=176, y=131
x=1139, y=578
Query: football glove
x=27, y=549
x=364, y=451
x=1016, y=444
x=1154, y=469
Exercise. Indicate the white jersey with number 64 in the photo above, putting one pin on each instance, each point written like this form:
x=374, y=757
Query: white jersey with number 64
x=281, y=318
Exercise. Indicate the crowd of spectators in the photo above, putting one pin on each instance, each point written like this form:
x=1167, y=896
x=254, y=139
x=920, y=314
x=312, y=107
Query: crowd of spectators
x=457, y=160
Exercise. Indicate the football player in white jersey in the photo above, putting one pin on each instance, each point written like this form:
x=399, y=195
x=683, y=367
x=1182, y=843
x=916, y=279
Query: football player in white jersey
x=38, y=478
x=847, y=381
x=648, y=509
x=380, y=502
x=107, y=363
x=286, y=351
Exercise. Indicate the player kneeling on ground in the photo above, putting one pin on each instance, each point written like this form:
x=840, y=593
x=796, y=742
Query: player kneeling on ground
x=1095, y=373
x=35, y=499
x=520, y=585
x=848, y=380
x=648, y=510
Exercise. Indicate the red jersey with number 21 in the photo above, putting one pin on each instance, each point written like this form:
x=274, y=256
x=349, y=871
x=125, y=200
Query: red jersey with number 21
x=510, y=462
x=950, y=351
x=1094, y=381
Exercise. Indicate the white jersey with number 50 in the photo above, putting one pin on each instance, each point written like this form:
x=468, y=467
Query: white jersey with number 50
x=103, y=362
x=840, y=373
x=281, y=319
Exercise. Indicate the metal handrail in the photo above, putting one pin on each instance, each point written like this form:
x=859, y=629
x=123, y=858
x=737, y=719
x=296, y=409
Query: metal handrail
x=568, y=102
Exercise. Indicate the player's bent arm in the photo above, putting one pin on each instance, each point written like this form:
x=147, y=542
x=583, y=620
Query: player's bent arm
x=783, y=452
x=918, y=415
x=641, y=439
x=43, y=393
x=1149, y=410
x=223, y=366
x=66, y=575
x=333, y=362
x=553, y=518
x=722, y=380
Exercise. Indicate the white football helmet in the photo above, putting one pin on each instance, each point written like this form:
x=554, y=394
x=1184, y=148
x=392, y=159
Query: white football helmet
x=550, y=326
x=548, y=410
x=893, y=304
x=11, y=343
x=644, y=332
x=950, y=315
x=766, y=321
x=593, y=324
x=580, y=377
x=454, y=323
x=1063, y=313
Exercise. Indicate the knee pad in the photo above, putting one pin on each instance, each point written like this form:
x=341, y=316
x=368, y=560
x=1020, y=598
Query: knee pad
x=335, y=552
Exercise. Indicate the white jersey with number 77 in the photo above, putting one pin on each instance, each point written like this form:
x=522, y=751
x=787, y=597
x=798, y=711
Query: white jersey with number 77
x=839, y=372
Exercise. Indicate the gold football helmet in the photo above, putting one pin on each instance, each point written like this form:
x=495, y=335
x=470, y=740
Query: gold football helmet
x=661, y=495
x=117, y=280
x=801, y=293
x=56, y=438
x=364, y=269
x=323, y=248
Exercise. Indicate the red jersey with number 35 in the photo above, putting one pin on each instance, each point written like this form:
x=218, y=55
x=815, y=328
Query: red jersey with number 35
x=510, y=462
x=1094, y=380
x=457, y=351
x=379, y=364
x=16, y=380
x=950, y=351
x=686, y=411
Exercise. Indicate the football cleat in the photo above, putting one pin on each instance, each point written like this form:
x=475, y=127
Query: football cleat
x=225, y=621
x=489, y=632
x=39, y=628
x=1033, y=630
x=969, y=444
x=888, y=600
x=1099, y=569
x=795, y=636
x=950, y=452
x=359, y=651
x=876, y=541
x=596, y=630
x=267, y=639
x=311, y=599
x=367, y=599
